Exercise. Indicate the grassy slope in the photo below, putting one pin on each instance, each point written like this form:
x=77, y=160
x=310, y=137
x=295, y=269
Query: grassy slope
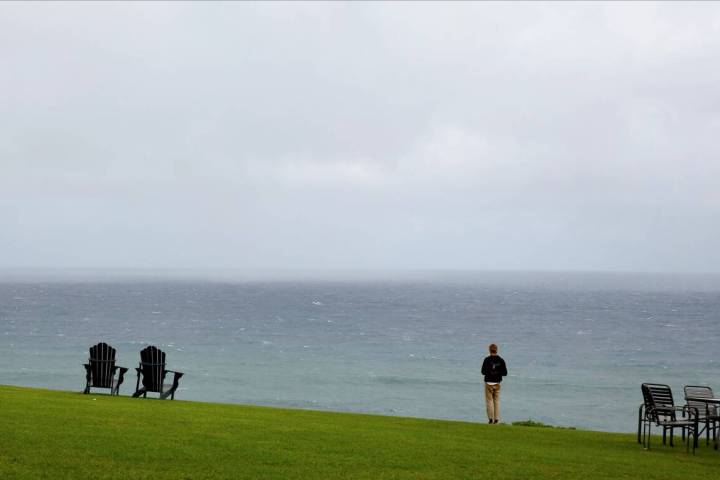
x=49, y=434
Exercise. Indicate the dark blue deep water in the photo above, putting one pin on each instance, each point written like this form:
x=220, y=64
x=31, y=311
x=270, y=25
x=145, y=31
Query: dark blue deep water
x=577, y=345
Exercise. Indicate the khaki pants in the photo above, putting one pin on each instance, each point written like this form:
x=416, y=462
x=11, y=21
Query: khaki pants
x=492, y=401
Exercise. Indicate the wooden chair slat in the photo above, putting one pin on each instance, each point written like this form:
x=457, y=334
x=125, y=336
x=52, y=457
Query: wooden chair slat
x=102, y=364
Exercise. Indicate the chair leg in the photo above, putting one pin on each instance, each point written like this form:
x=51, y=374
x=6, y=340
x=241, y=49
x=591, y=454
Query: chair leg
x=707, y=432
x=695, y=438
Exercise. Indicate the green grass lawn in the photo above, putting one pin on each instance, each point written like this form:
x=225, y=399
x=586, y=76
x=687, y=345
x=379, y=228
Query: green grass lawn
x=51, y=434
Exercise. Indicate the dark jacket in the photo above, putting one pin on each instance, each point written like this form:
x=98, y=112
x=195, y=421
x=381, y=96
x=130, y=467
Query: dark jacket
x=494, y=368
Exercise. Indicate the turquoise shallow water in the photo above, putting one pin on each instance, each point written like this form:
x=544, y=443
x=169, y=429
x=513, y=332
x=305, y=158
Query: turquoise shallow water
x=577, y=345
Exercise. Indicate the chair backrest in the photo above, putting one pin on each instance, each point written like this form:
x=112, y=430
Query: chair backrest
x=102, y=365
x=647, y=399
x=152, y=365
x=659, y=403
x=702, y=392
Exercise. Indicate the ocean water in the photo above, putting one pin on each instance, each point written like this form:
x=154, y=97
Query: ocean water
x=577, y=346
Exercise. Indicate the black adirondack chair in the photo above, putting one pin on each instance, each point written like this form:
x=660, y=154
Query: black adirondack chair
x=152, y=372
x=101, y=369
x=659, y=408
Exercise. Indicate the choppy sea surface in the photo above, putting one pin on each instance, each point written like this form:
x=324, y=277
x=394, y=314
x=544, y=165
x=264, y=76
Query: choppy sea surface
x=577, y=346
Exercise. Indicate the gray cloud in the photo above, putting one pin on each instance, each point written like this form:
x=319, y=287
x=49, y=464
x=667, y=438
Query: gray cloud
x=348, y=135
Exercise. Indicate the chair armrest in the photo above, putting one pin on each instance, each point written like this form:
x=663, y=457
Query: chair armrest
x=676, y=408
x=177, y=376
x=685, y=409
x=691, y=411
x=121, y=377
x=666, y=410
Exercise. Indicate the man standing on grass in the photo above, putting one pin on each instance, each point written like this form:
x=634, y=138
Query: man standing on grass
x=494, y=369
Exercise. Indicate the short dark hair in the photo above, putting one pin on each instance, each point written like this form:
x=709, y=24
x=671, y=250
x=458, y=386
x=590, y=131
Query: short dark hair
x=493, y=348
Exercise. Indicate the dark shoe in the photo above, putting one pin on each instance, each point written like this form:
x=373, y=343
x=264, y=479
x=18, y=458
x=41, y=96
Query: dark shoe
x=496, y=421
x=490, y=422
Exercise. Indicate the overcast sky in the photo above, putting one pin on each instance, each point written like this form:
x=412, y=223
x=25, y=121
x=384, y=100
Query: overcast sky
x=387, y=135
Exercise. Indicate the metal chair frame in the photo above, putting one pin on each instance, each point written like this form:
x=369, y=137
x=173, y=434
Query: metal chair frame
x=658, y=408
x=708, y=414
